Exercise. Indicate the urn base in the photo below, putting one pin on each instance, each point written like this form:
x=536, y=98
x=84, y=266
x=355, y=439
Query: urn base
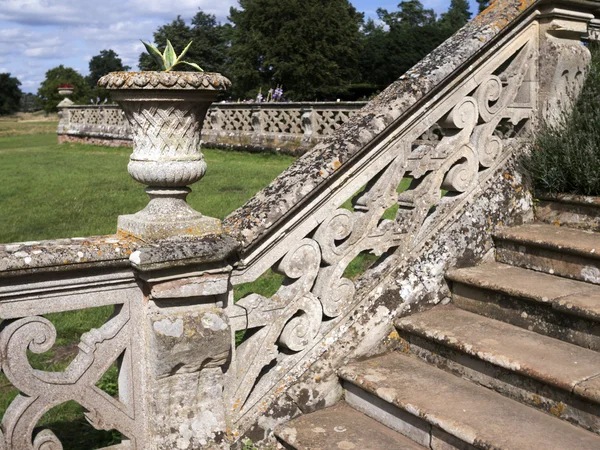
x=167, y=215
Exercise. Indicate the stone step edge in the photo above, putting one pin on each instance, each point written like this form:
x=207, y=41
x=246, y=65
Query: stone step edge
x=557, y=304
x=515, y=366
x=504, y=235
x=286, y=433
x=450, y=426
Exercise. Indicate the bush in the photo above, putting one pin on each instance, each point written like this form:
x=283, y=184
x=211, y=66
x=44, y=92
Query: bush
x=566, y=158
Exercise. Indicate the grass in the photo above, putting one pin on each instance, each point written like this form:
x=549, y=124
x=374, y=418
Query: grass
x=51, y=191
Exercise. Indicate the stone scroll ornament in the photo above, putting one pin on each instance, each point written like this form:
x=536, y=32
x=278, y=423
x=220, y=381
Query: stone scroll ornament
x=40, y=390
x=450, y=151
x=166, y=111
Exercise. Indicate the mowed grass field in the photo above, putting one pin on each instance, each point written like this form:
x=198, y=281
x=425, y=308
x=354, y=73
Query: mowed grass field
x=51, y=191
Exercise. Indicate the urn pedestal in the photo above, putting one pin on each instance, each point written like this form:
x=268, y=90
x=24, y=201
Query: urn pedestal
x=166, y=111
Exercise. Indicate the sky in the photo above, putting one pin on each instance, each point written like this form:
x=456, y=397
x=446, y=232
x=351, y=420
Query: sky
x=37, y=35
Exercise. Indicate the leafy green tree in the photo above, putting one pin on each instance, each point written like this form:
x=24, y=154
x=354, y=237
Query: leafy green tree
x=107, y=61
x=456, y=17
x=210, y=46
x=412, y=14
x=311, y=48
x=483, y=4
x=29, y=103
x=10, y=94
x=412, y=32
x=48, y=91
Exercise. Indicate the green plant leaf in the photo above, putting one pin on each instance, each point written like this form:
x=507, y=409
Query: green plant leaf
x=156, y=55
x=184, y=51
x=170, y=56
x=194, y=65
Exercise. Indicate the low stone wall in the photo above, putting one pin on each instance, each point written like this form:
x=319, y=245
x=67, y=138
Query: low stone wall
x=291, y=128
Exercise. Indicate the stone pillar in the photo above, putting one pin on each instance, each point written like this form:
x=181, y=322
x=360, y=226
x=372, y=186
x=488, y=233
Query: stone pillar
x=563, y=61
x=308, y=124
x=186, y=342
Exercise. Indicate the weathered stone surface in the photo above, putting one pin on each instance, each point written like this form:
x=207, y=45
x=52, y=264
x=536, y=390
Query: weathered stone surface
x=466, y=411
x=548, y=360
x=573, y=211
x=165, y=80
x=544, y=373
x=165, y=111
x=66, y=254
x=288, y=128
x=341, y=427
x=554, y=306
x=556, y=250
x=180, y=252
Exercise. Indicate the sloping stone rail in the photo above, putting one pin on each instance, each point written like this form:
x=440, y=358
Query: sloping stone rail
x=418, y=179
x=291, y=128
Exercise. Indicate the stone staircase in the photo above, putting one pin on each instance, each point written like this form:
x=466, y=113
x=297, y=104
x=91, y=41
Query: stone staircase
x=513, y=362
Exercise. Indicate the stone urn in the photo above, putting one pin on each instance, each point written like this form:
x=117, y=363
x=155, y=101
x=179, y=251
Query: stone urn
x=65, y=90
x=165, y=111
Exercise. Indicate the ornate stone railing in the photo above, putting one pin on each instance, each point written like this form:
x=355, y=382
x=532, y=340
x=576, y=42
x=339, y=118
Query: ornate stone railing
x=291, y=128
x=418, y=179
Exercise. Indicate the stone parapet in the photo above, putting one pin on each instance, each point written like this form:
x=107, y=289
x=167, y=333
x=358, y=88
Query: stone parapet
x=290, y=128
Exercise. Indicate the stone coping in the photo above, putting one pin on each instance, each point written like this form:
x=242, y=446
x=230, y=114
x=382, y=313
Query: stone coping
x=117, y=250
x=268, y=208
x=165, y=80
x=571, y=199
x=66, y=254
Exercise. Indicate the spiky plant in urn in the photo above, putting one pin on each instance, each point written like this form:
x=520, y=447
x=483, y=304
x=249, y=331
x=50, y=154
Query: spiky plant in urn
x=165, y=111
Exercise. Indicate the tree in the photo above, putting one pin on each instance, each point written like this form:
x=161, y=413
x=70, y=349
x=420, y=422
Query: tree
x=29, y=103
x=412, y=32
x=311, y=48
x=10, y=94
x=210, y=42
x=48, y=91
x=483, y=4
x=457, y=16
x=107, y=61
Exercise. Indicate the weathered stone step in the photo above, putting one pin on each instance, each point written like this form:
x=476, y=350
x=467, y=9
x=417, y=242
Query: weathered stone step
x=558, y=307
x=473, y=414
x=341, y=427
x=574, y=211
x=551, y=375
x=562, y=251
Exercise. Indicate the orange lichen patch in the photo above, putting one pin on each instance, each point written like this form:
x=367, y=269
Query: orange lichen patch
x=336, y=164
x=558, y=409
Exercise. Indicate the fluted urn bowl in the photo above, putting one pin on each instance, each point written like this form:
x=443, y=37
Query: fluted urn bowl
x=166, y=111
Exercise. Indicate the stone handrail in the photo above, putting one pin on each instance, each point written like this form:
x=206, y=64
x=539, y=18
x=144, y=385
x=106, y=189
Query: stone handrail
x=418, y=178
x=291, y=128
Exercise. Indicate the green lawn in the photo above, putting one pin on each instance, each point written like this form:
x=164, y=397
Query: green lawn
x=51, y=191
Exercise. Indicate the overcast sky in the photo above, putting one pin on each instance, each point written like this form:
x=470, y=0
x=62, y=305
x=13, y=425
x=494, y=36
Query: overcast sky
x=37, y=35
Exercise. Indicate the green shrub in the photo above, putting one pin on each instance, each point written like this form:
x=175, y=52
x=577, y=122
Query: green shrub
x=566, y=158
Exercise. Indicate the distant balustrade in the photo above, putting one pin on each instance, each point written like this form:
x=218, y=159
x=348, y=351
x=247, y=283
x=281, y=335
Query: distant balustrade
x=291, y=128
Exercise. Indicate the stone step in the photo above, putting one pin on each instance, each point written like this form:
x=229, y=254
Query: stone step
x=558, y=307
x=554, y=376
x=475, y=416
x=561, y=251
x=341, y=427
x=574, y=211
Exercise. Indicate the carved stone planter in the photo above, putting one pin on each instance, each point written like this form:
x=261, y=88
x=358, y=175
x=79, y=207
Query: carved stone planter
x=165, y=111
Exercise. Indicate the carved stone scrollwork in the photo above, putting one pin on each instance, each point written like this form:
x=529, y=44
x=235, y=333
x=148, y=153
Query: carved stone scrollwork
x=452, y=147
x=42, y=390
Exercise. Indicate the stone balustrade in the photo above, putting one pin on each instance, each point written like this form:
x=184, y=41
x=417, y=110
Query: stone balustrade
x=291, y=128
x=418, y=179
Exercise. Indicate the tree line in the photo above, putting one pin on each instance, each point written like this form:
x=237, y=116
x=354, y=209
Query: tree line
x=313, y=50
